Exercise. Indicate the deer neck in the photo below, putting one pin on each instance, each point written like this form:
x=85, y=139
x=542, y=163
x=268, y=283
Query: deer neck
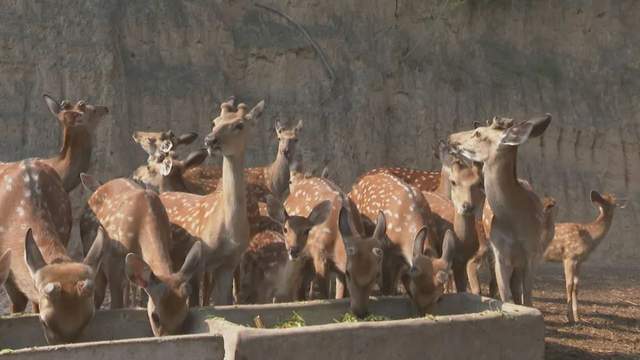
x=74, y=157
x=504, y=192
x=277, y=176
x=464, y=226
x=233, y=189
x=600, y=226
x=173, y=182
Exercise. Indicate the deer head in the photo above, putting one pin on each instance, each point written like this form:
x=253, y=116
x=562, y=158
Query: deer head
x=5, y=266
x=428, y=275
x=81, y=116
x=65, y=289
x=500, y=134
x=296, y=228
x=229, y=132
x=467, y=192
x=168, y=306
x=606, y=201
x=364, y=260
x=287, y=139
x=164, y=141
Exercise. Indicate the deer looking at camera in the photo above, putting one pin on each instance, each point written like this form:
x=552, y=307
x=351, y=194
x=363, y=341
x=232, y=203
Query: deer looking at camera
x=35, y=227
x=517, y=224
x=138, y=228
x=78, y=122
x=218, y=219
x=574, y=242
x=411, y=253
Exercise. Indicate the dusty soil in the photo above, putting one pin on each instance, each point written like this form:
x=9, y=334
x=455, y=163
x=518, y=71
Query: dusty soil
x=609, y=306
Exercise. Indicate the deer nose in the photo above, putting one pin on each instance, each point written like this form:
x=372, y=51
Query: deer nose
x=467, y=208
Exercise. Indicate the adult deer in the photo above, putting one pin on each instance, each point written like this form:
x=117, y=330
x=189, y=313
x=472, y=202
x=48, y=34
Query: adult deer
x=78, y=122
x=409, y=225
x=517, y=224
x=138, y=228
x=218, y=219
x=574, y=242
x=35, y=226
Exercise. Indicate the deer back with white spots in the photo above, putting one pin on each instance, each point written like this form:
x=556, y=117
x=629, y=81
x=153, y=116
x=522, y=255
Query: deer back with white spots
x=138, y=229
x=35, y=226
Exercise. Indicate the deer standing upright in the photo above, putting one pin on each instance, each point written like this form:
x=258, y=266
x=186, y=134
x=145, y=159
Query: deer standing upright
x=517, y=224
x=218, y=219
x=35, y=226
x=574, y=242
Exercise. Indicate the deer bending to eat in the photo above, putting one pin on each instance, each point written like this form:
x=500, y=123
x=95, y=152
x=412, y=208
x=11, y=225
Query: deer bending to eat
x=35, y=226
x=573, y=242
x=322, y=231
x=517, y=225
x=78, y=122
x=409, y=226
x=218, y=219
x=138, y=228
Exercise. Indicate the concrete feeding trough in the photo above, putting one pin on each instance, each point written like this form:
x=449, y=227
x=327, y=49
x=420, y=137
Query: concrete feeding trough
x=463, y=326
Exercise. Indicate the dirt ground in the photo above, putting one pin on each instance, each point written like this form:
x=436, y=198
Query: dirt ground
x=609, y=301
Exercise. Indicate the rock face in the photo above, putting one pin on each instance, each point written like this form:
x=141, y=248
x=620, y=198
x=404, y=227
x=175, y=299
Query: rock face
x=377, y=82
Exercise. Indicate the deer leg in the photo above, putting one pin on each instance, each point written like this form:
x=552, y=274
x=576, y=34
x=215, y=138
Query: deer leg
x=100, y=289
x=460, y=276
x=504, y=269
x=340, y=287
x=18, y=299
x=472, y=275
x=569, y=269
x=194, y=297
x=223, y=286
x=527, y=285
x=390, y=272
x=321, y=278
x=515, y=284
x=208, y=283
x=574, y=293
x=116, y=284
x=236, y=285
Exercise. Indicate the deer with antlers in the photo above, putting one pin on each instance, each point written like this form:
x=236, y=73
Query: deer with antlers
x=574, y=242
x=517, y=224
x=219, y=219
x=138, y=228
x=78, y=122
x=323, y=235
x=411, y=255
x=35, y=227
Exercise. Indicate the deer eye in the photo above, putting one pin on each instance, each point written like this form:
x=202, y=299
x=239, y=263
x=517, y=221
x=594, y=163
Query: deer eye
x=284, y=230
x=454, y=183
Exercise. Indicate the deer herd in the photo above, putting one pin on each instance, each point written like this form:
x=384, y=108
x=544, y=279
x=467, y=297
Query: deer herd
x=179, y=233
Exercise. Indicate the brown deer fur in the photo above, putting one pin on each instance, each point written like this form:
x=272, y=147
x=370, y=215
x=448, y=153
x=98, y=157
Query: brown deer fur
x=261, y=268
x=34, y=202
x=574, y=242
x=138, y=228
x=517, y=212
x=218, y=219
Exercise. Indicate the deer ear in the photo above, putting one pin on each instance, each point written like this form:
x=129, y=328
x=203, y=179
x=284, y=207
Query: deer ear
x=476, y=124
x=275, y=210
x=379, y=233
x=298, y=126
x=52, y=104
x=320, y=213
x=166, y=166
x=196, y=158
x=97, y=250
x=346, y=233
x=520, y=133
x=255, y=113
x=89, y=182
x=32, y=255
x=418, y=242
x=192, y=262
x=5, y=266
x=278, y=127
x=595, y=196
x=188, y=138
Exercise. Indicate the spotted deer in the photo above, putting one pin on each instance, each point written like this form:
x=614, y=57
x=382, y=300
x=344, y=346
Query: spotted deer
x=157, y=144
x=573, y=242
x=5, y=266
x=218, y=219
x=138, y=228
x=411, y=253
x=323, y=236
x=78, y=122
x=167, y=171
x=517, y=223
x=35, y=226
x=272, y=179
x=261, y=268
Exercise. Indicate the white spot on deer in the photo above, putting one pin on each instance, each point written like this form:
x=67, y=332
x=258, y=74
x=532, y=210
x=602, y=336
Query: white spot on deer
x=20, y=211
